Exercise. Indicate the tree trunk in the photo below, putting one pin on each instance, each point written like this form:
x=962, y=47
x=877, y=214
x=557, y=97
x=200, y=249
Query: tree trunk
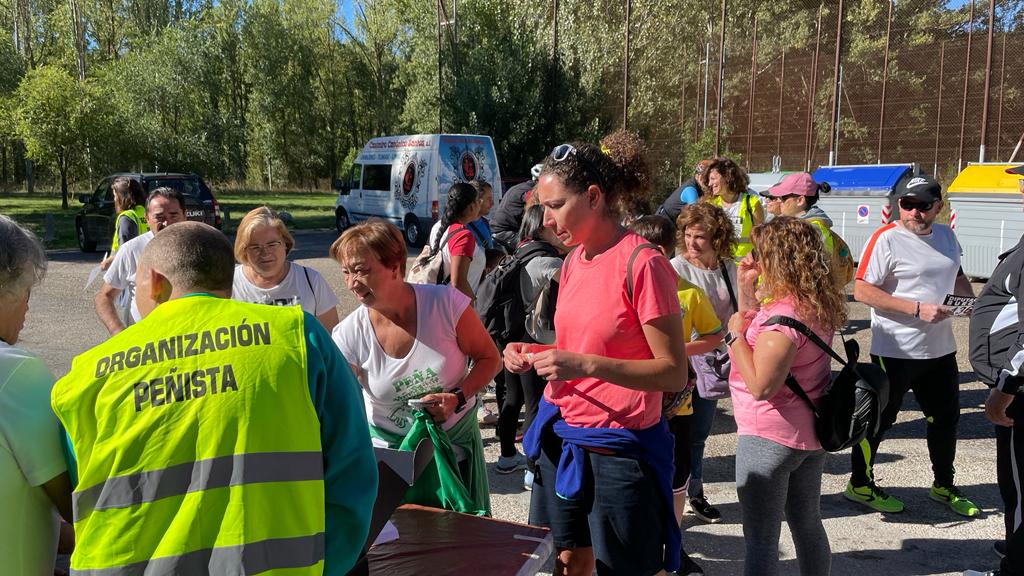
x=30, y=178
x=63, y=184
x=78, y=33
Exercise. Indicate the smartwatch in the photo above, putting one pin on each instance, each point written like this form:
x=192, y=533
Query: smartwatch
x=460, y=398
x=729, y=338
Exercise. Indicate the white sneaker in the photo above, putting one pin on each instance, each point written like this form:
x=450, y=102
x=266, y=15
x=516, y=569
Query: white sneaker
x=528, y=480
x=486, y=417
x=510, y=464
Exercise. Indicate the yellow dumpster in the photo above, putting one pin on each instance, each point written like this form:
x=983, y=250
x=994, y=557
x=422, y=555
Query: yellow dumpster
x=985, y=212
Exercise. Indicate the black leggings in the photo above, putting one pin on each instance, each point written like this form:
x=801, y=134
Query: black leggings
x=521, y=390
x=936, y=386
x=1010, y=452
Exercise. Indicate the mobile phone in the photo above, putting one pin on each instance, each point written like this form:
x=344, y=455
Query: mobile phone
x=417, y=403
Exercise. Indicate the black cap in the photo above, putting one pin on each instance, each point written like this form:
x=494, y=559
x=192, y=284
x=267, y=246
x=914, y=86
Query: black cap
x=1018, y=170
x=921, y=188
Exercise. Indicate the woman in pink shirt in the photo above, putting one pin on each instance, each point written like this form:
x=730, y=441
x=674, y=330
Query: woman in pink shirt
x=603, y=450
x=779, y=460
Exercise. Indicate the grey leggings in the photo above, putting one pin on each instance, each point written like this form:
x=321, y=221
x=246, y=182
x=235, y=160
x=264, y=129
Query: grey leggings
x=773, y=480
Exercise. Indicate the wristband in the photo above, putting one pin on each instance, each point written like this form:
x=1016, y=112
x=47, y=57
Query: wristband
x=917, y=309
x=729, y=338
x=460, y=398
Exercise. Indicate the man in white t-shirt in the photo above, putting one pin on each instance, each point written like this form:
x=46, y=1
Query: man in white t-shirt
x=907, y=269
x=115, y=302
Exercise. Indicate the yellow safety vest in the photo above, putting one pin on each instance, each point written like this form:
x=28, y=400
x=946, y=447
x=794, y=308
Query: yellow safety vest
x=748, y=202
x=137, y=215
x=197, y=445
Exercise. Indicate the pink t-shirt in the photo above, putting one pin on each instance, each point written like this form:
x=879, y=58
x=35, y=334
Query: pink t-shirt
x=593, y=315
x=784, y=418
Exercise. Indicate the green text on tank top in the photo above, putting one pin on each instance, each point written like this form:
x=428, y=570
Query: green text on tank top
x=742, y=221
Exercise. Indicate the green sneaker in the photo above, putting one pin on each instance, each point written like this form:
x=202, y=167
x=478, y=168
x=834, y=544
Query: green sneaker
x=952, y=497
x=873, y=497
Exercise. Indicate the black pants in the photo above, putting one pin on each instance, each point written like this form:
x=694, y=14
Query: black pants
x=681, y=428
x=521, y=390
x=936, y=387
x=1010, y=474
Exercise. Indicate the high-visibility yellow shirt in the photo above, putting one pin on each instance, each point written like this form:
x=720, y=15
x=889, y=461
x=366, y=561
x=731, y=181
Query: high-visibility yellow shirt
x=197, y=444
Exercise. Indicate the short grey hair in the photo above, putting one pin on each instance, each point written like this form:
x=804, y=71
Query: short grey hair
x=22, y=260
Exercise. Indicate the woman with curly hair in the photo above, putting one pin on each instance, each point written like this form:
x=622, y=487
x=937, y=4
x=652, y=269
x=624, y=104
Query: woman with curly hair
x=779, y=460
x=602, y=447
x=728, y=184
x=705, y=241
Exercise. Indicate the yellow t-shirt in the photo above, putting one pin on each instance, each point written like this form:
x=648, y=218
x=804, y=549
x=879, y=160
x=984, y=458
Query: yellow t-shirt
x=698, y=320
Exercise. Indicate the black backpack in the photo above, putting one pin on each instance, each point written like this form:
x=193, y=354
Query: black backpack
x=852, y=404
x=499, y=300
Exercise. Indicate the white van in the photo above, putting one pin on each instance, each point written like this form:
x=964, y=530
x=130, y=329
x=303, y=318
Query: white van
x=405, y=179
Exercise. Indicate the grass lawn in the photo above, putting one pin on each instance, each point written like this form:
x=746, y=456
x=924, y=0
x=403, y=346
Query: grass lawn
x=43, y=215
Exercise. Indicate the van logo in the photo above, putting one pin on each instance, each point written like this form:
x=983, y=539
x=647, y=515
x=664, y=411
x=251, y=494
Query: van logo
x=468, y=164
x=193, y=214
x=408, y=178
x=406, y=182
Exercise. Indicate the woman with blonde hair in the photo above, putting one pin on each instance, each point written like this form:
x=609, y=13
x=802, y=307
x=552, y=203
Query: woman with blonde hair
x=779, y=460
x=410, y=345
x=265, y=276
x=705, y=241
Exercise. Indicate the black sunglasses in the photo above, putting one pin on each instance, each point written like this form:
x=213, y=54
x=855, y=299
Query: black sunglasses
x=909, y=204
x=769, y=197
x=564, y=151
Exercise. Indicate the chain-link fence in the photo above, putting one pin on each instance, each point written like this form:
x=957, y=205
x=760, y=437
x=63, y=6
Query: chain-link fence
x=920, y=97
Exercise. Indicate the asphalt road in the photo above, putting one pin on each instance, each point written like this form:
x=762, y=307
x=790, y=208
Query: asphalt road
x=925, y=539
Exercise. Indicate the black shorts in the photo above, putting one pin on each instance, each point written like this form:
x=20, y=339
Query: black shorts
x=619, y=511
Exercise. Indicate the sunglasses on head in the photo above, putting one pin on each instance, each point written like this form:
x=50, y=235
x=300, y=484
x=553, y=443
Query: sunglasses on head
x=909, y=204
x=563, y=151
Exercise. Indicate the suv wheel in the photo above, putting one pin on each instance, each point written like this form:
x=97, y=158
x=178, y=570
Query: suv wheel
x=83, y=240
x=341, y=220
x=414, y=234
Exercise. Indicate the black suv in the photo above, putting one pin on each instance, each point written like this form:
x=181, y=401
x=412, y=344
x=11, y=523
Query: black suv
x=95, y=222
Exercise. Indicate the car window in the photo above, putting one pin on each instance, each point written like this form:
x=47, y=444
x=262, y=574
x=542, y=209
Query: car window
x=103, y=194
x=188, y=187
x=356, y=179
x=377, y=177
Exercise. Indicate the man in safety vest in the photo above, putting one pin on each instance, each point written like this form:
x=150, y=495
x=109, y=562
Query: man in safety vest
x=214, y=436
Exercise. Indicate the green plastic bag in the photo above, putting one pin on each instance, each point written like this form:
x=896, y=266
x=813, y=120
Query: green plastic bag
x=447, y=483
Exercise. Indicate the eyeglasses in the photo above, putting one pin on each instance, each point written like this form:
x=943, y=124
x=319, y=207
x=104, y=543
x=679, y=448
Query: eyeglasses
x=909, y=204
x=255, y=249
x=563, y=151
x=770, y=198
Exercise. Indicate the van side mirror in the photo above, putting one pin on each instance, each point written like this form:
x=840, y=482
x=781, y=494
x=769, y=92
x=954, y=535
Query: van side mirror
x=341, y=186
x=85, y=198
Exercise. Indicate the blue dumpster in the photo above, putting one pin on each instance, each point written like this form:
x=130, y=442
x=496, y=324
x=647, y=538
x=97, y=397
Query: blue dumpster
x=861, y=198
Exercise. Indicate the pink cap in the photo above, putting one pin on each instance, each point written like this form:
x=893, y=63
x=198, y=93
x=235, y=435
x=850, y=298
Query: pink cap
x=799, y=183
